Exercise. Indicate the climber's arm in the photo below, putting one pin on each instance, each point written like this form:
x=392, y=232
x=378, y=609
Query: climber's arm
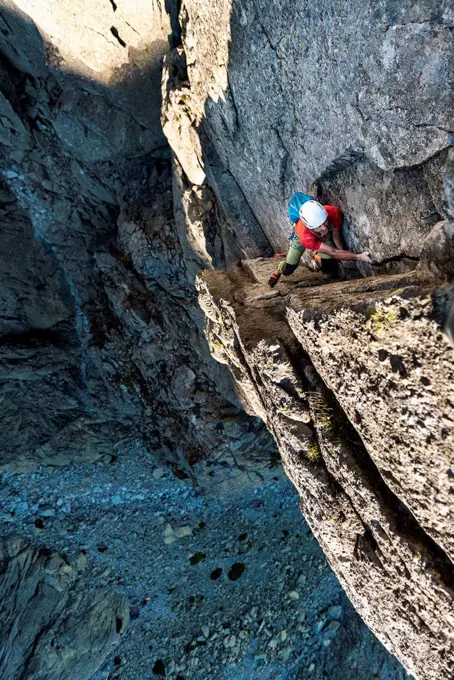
x=343, y=254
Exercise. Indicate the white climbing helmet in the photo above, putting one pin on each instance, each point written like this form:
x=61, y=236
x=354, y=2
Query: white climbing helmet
x=313, y=214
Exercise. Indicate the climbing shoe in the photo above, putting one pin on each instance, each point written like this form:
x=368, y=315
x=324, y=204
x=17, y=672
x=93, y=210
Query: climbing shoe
x=274, y=279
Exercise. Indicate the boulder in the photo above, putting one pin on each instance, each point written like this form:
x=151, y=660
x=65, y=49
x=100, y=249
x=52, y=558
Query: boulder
x=52, y=626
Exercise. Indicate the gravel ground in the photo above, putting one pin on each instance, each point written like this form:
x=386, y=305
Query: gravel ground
x=225, y=581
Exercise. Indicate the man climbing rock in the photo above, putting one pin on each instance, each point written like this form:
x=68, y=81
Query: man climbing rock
x=317, y=226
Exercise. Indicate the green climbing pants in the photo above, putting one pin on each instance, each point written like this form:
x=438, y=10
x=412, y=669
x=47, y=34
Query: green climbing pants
x=292, y=260
x=295, y=252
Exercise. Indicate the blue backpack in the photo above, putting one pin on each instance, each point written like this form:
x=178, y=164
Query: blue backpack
x=297, y=200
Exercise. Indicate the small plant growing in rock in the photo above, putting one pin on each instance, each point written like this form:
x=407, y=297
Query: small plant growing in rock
x=313, y=453
x=216, y=344
x=321, y=411
x=324, y=422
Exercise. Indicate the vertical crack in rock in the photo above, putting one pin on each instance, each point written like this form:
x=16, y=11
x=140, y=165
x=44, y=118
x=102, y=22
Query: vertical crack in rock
x=385, y=386
x=116, y=35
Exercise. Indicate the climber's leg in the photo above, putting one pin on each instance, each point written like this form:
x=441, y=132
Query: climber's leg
x=288, y=266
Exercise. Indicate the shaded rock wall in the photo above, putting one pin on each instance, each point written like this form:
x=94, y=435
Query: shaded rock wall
x=101, y=337
x=105, y=264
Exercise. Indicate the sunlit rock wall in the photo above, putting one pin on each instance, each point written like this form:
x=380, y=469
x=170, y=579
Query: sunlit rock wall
x=355, y=97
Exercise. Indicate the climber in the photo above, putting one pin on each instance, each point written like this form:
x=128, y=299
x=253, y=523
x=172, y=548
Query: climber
x=316, y=225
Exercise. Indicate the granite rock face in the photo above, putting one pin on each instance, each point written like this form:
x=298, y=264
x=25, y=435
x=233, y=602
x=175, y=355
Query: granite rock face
x=104, y=231
x=286, y=96
x=102, y=338
x=51, y=627
x=392, y=374
x=354, y=419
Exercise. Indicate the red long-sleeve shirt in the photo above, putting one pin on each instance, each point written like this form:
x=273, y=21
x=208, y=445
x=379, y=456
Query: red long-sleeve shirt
x=307, y=237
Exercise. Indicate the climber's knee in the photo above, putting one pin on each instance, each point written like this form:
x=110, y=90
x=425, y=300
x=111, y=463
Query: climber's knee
x=288, y=269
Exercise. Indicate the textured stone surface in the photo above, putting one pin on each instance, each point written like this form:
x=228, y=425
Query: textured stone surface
x=389, y=214
x=51, y=627
x=329, y=93
x=101, y=330
x=98, y=306
x=437, y=256
x=399, y=580
x=391, y=370
x=33, y=290
x=109, y=71
x=57, y=402
x=238, y=228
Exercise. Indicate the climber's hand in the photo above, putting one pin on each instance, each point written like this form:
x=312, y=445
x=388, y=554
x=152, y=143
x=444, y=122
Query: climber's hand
x=365, y=257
